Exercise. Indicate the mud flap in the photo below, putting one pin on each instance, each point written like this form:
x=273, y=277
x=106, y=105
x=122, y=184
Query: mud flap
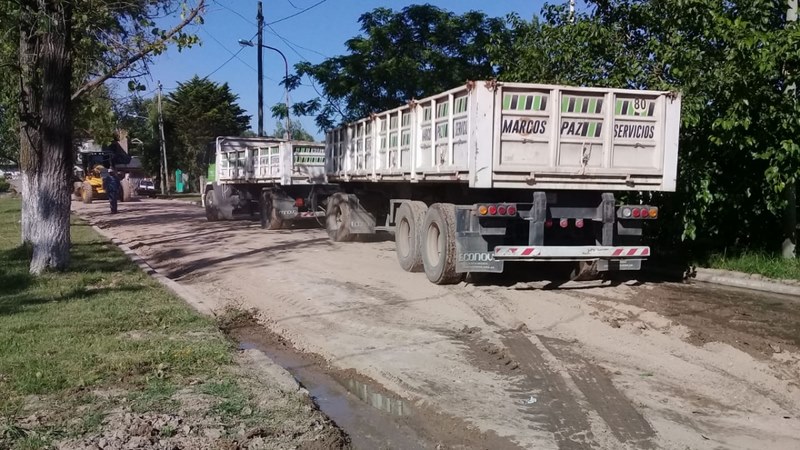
x=287, y=210
x=361, y=221
x=472, y=250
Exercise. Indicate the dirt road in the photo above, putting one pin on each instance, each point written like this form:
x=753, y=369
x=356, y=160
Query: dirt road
x=630, y=365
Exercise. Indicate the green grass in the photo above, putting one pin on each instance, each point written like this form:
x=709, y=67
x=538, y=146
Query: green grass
x=103, y=337
x=101, y=324
x=772, y=266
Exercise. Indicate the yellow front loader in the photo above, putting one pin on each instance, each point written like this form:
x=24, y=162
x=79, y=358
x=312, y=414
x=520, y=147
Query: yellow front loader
x=91, y=186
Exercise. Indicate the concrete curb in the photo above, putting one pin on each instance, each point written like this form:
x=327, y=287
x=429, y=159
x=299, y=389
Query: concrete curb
x=746, y=281
x=255, y=359
x=172, y=285
x=729, y=278
x=188, y=202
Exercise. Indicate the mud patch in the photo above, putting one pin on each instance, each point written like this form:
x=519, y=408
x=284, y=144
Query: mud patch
x=758, y=324
x=370, y=414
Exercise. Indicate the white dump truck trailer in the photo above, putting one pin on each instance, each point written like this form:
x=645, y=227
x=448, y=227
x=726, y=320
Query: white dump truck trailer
x=493, y=172
x=281, y=180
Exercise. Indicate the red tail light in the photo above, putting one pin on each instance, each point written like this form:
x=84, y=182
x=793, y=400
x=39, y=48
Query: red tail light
x=637, y=212
x=497, y=210
x=564, y=223
x=579, y=223
x=548, y=223
x=299, y=202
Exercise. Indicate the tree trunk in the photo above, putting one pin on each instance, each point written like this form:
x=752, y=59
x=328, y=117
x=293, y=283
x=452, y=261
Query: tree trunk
x=46, y=134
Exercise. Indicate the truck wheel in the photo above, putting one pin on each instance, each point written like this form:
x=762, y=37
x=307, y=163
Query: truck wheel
x=408, y=235
x=270, y=219
x=86, y=193
x=337, y=218
x=77, y=187
x=439, y=244
x=126, y=190
x=212, y=213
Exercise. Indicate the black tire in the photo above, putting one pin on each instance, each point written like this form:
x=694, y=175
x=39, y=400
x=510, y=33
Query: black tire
x=77, y=187
x=337, y=218
x=86, y=193
x=270, y=219
x=212, y=213
x=439, y=244
x=408, y=235
x=127, y=191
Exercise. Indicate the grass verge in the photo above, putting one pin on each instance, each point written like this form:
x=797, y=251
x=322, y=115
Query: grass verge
x=103, y=353
x=771, y=266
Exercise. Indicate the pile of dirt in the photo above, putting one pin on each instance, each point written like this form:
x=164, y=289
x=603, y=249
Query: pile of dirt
x=127, y=430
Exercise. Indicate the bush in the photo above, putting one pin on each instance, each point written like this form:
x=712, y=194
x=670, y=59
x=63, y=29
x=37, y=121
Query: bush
x=5, y=186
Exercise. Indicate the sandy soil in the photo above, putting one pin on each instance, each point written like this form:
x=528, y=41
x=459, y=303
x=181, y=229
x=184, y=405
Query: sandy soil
x=622, y=365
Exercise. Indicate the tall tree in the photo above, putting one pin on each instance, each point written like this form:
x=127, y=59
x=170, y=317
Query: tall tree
x=67, y=49
x=198, y=111
x=415, y=52
x=298, y=132
x=733, y=61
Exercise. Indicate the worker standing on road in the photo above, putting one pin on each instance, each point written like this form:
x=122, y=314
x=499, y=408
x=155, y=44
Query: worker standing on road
x=112, y=187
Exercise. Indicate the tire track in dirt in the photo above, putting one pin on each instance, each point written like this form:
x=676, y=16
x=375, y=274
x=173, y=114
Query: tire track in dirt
x=625, y=422
x=557, y=405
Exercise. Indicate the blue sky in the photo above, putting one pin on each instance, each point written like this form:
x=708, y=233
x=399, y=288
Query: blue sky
x=310, y=36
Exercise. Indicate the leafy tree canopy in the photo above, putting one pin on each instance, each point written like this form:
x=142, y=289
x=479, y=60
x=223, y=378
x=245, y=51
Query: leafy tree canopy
x=196, y=113
x=412, y=53
x=298, y=132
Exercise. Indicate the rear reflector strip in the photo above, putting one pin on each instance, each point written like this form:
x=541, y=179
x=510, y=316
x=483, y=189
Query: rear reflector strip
x=527, y=252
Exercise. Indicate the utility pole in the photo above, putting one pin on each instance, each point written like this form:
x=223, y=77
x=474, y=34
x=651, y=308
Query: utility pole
x=571, y=11
x=164, y=171
x=260, y=19
x=788, y=247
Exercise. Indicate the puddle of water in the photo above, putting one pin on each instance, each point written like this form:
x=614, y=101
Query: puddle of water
x=380, y=401
x=372, y=419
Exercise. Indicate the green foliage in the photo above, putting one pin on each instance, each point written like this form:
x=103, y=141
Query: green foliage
x=766, y=264
x=95, y=118
x=194, y=115
x=139, y=116
x=733, y=62
x=298, y=132
x=412, y=53
x=4, y=185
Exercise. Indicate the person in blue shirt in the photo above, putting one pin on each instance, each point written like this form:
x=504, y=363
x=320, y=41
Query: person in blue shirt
x=112, y=188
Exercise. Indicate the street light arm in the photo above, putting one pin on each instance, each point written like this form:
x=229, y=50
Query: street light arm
x=247, y=43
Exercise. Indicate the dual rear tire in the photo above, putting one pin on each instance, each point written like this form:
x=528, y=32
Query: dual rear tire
x=425, y=239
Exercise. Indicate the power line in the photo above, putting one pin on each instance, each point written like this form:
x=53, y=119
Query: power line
x=228, y=60
x=293, y=5
x=298, y=12
x=250, y=21
x=293, y=44
x=229, y=50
